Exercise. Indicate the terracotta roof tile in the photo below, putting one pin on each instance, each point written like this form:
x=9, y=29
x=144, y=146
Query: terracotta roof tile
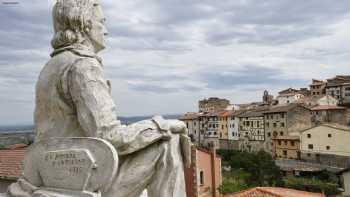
x=189, y=116
x=11, y=163
x=274, y=192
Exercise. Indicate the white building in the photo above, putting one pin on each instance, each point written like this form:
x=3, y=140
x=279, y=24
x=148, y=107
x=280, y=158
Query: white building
x=233, y=125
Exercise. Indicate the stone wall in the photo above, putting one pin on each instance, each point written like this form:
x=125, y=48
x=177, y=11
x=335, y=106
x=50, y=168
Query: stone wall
x=298, y=119
x=327, y=159
x=229, y=144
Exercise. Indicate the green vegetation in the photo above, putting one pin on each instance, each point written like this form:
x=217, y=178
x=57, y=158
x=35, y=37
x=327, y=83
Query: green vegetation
x=234, y=181
x=260, y=167
x=312, y=185
x=250, y=170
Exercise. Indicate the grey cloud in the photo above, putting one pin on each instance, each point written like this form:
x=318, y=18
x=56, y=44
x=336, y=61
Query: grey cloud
x=265, y=35
x=246, y=76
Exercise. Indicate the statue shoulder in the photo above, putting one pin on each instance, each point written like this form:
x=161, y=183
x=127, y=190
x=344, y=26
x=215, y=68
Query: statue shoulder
x=86, y=65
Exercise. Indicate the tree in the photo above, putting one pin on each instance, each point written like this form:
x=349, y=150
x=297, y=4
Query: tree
x=261, y=166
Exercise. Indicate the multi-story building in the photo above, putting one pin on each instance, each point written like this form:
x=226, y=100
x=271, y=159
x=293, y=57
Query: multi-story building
x=209, y=129
x=287, y=147
x=192, y=123
x=282, y=120
x=223, y=124
x=291, y=95
x=213, y=105
x=329, y=114
x=339, y=88
x=326, y=144
x=233, y=125
x=252, y=131
x=318, y=88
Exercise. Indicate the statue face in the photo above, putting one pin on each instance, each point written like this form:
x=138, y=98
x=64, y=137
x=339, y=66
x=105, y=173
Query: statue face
x=98, y=30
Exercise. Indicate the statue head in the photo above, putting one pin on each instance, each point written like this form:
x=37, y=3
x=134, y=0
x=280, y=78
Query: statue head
x=78, y=22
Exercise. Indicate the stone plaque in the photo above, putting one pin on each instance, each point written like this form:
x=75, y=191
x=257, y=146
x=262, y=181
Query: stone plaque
x=74, y=164
x=69, y=169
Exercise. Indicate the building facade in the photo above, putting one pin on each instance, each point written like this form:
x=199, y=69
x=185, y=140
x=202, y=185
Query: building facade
x=329, y=114
x=213, y=104
x=204, y=176
x=233, y=125
x=287, y=147
x=192, y=123
x=318, y=88
x=339, y=88
x=223, y=124
x=209, y=129
x=282, y=120
x=291, y=95
x=326, y=144
x=252, y=131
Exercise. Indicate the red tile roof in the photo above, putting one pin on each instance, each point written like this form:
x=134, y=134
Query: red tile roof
x=189, y=116
x=274, y=192
x=11, y=163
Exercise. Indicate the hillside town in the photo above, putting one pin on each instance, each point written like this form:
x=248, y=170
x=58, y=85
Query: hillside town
x=305, y=130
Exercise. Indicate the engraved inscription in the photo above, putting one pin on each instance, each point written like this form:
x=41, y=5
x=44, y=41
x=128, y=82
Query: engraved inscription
x=69, y=169
x=70, y=162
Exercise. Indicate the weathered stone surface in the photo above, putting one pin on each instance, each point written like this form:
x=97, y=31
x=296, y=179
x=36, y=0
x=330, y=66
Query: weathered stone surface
x=81, y=164
x=73, y=100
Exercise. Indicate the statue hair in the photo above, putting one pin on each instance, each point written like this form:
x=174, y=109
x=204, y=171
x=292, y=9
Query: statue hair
x=72, y=20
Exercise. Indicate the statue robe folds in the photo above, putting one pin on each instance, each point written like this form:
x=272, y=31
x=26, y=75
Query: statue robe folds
x=73, y=100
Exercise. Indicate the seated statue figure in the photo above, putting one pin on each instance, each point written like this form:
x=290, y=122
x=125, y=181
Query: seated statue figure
x=73, y=100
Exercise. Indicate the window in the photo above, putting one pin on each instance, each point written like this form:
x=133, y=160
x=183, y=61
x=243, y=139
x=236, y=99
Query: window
x=274, y=125
x=282, y=124
x=215, y=133
x=268, y=134
x=187, y=124
x=279, y=142
x=329, y=135
x=311, y=146
x=286, y=143
x=201, y=177
x=328, y=147
x=267, y=124
x=285, y=153
x=281, y=133
x=282, y=115
x=309, y=155
x=308, y=135
x=222, y=126
x=292, y=143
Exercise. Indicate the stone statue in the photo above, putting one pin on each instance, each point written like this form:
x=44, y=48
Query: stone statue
x=73, y=100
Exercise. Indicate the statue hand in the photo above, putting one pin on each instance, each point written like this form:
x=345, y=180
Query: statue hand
x=177, y=127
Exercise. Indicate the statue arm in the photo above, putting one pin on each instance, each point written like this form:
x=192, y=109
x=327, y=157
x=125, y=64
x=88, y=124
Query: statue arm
x=97, y=113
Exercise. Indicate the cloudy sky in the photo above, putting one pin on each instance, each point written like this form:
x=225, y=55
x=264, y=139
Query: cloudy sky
x=165, y=55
